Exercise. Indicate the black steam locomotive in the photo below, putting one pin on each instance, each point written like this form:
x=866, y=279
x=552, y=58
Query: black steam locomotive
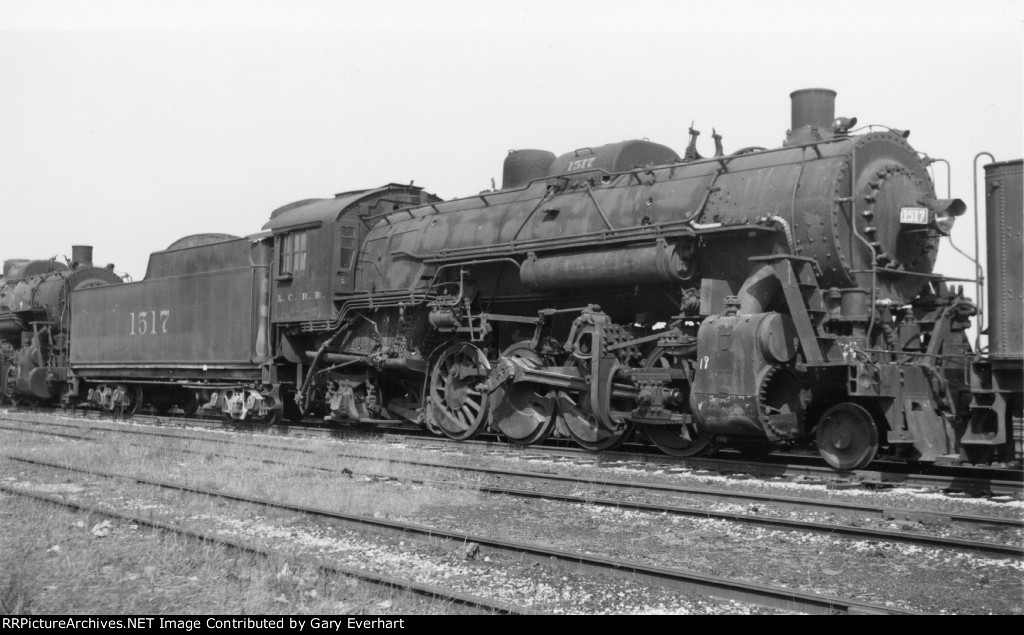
x=763, y=298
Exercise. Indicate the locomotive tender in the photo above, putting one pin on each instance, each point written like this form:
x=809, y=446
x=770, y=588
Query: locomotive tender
x=757, y=299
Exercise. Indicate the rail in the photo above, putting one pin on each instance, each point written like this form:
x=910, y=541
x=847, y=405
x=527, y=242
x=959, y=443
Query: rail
x=714, y=586
x=407, y=586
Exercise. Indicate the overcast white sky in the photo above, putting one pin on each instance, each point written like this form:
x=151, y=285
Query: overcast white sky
x=128, y=124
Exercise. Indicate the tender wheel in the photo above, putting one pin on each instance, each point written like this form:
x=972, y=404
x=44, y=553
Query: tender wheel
x=455, y=405
x=162, y=401
x=189, y=403
x=241, y=409
x=134, y=400
x=275, y=412
x=227, y=418
x=136, y=404
x=523, y=412
x=847, y=436
x=682, y=440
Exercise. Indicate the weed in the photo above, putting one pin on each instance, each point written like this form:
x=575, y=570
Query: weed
x=16, y=593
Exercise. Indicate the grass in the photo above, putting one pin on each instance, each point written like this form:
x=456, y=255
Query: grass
x=15, y=592
x=50, y=562
x=705, y=547
x=206, y=465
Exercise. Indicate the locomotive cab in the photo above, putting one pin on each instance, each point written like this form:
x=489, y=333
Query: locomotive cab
x=317, y=245
x=300, y=281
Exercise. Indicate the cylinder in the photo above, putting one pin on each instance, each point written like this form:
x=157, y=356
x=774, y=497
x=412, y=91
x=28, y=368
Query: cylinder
x=81, y=255
x=625, y=266
x=1004, y=205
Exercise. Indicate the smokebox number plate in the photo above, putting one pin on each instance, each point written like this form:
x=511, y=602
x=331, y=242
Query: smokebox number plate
x=914, y=215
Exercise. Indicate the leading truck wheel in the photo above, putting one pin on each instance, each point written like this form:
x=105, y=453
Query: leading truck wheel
x=847, y=436
x=455, y=405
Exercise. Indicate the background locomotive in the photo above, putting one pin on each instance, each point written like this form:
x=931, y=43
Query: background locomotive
x=35, y=313
x=754, y=300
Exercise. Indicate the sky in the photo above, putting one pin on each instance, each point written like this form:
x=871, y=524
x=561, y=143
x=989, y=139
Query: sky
x=128, y=124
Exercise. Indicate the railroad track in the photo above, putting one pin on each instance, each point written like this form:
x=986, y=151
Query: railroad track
x=849, y=531
x=390, y=582
x=974, y=480
x=717, y=587
x=965, y=479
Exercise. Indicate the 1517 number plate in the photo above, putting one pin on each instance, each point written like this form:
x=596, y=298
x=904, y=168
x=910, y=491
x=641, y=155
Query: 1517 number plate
x=914, y=215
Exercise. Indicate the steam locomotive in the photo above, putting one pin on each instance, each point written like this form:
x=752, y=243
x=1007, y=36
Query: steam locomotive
x=759, y=299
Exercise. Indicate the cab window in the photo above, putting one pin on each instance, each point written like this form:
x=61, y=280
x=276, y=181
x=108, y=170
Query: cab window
x=293, y=253
x=348, y=247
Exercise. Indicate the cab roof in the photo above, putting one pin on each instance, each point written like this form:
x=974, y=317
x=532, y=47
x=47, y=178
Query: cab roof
x=315, y=211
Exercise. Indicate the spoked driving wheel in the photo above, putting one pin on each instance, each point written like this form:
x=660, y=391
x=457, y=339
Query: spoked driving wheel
x=583, y=427
x=524, y=412
x=847, y=436
x=576, y=415
x=676, y=440
x=455, y=405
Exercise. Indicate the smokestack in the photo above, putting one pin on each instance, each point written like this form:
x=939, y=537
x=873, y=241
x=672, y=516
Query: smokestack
x=814, y=111
x=81, y=255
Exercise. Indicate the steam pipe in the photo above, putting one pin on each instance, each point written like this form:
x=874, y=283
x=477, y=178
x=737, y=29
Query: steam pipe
x=302, y=395
x=758, y=290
